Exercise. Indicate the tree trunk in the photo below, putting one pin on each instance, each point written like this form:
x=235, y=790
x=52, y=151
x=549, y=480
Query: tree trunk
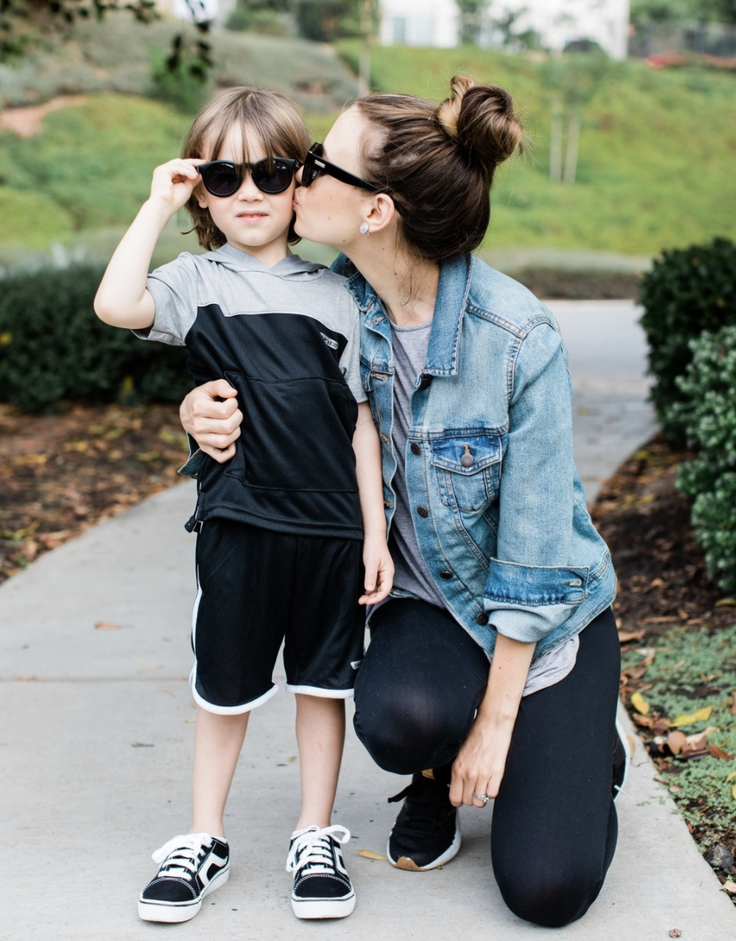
x=573, y=140
x=555, y=142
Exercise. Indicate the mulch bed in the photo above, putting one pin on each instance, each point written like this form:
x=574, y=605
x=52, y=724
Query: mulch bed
x=61, y=473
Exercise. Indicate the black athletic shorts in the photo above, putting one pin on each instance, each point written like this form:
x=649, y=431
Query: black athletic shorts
x=257, y=588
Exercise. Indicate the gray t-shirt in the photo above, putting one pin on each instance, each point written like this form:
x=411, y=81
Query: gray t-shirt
x=410, y=355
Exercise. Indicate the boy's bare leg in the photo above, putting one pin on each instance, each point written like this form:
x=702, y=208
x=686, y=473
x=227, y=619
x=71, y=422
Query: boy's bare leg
x=320, y=733
x=217, y=743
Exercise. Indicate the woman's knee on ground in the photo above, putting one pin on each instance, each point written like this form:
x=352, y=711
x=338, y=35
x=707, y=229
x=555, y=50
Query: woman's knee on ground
x=406, y=732
x=548, y=896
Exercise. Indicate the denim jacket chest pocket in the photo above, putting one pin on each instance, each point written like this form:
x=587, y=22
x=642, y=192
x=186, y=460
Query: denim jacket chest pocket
x=468, y=469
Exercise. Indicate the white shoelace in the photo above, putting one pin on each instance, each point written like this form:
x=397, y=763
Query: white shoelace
x=312, y=848
x=180, y=856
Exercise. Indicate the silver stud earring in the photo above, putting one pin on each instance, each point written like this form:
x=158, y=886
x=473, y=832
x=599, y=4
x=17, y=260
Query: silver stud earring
x=365, y=229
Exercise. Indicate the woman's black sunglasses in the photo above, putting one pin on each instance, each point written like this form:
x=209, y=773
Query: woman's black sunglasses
x=271, y=175
x=315, y=163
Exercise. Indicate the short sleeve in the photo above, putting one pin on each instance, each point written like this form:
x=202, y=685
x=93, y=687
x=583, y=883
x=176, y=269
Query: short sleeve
x=174, y=290
x=350, y=359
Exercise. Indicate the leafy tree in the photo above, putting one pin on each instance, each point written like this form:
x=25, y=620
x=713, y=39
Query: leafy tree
x=573, y=79
x=471, y=19
x=25, y=23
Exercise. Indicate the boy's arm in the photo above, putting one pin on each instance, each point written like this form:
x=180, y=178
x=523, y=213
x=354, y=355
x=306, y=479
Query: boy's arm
x=379, y=568
x=122, y=298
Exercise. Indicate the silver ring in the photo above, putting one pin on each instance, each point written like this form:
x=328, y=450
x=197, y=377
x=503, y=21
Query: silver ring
x=481, y=797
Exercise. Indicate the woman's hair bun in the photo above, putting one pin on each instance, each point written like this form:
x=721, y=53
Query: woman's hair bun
x=480, y=117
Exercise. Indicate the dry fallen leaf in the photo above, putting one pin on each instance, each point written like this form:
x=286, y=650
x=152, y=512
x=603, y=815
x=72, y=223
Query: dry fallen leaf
x=717, y=752
x=625, y=636
x=726, y=603
x=369, y=854
x=106, y=626
x=700, y=715
x=733, y=703
x=639, y=703
x=675, y=933
x=729, y=886
x=676, y=741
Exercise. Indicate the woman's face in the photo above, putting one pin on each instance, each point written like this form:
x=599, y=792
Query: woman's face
x=329, y=210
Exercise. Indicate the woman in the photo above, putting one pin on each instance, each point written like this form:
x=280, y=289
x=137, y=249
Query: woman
x=496, y=557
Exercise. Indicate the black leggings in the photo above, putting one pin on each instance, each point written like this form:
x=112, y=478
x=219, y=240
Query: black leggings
x=554, y=822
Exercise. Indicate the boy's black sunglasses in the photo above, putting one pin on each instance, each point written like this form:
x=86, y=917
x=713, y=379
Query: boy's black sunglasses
x=315, y=163
x=271, y=175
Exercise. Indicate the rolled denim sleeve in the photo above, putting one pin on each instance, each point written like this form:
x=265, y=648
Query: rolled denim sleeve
x=531, y=587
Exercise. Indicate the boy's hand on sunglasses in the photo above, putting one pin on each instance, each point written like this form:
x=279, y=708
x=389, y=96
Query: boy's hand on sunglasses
x=174, y=182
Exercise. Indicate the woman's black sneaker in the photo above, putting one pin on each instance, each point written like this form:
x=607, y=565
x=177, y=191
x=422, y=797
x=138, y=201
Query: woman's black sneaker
x=620, y=760
x=191, y=866
x=322, y=887
x=426, y=833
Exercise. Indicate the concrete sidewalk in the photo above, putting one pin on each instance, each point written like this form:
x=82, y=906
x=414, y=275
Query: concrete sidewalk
x=95, y=754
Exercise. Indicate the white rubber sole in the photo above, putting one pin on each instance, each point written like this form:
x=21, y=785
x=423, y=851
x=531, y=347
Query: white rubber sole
x=408, y=865
x=627, y=755
x=172, y=913
x=323, y=908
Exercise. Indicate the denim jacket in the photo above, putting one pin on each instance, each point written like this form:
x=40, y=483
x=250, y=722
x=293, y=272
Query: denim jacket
x=499, y=510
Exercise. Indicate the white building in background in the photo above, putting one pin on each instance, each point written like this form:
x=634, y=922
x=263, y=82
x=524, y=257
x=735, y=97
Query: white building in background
x=558, y=22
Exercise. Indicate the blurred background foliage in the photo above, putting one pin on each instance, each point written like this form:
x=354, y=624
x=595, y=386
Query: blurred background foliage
x=656, y=148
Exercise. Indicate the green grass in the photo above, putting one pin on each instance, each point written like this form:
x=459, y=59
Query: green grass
x=657, y=152
x=656, y=157
x=693, y=669
x=116, y=55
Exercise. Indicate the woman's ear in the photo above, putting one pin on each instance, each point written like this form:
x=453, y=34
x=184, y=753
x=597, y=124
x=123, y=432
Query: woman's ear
x=382, y=212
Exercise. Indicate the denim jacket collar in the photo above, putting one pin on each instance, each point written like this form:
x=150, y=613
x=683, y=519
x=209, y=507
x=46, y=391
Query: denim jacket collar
x=447, y=323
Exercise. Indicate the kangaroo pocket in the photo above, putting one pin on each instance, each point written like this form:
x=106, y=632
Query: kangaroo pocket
x=296, y=434
x=468, y=469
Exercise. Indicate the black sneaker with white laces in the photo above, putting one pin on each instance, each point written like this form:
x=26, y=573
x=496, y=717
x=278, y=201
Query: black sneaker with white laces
x=322, y=887
x=191, y=866
x=426, y=833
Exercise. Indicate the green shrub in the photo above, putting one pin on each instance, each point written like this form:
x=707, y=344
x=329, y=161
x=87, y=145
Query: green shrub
x=708, y=415
x=686, y=292
x=52, y=346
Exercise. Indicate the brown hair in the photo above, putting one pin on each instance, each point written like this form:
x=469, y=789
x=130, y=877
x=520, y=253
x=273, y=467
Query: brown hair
x=438, y=162
x=266, y=115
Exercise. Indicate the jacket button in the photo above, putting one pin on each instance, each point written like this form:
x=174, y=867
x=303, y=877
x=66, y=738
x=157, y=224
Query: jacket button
x=467, y=460
x=423, y=511
x=415, y=449
x=482, y=618
x=445, y=574
x=426, y=382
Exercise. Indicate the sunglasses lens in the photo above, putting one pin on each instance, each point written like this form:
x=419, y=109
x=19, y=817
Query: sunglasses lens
x=275, y=179
x=220, y=178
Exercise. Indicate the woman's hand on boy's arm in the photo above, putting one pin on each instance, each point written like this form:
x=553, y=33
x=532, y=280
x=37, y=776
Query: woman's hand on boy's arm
x=210, y=414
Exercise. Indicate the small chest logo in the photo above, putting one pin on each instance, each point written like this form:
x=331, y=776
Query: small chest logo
x=329, y=341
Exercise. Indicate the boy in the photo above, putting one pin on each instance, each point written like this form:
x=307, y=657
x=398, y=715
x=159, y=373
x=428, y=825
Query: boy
x=279, y=527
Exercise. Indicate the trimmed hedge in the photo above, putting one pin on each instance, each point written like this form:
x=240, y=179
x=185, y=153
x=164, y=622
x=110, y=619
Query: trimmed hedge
x=708, y=413
x=687, y=291
x=52, y=346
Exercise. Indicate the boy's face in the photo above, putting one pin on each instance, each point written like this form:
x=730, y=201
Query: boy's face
x=251, y=220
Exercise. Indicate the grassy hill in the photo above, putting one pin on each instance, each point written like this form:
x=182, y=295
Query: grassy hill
x=656, y=153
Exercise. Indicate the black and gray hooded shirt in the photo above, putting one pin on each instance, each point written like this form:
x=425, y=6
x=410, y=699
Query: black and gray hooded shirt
x=287, y=338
